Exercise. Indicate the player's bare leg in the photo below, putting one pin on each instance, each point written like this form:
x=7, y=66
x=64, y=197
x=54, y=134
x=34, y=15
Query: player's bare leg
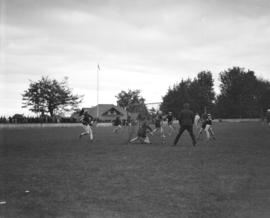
x=91, y=134
x=162, y=135
x=207, y=132
x=134, y=139
x=131, y=131
x=147, y=140
x=199, y=134
x=212, y=133
x=82, y=134
x=156, y=129
x=171, y=130
x=87, y=131
x=116, y=129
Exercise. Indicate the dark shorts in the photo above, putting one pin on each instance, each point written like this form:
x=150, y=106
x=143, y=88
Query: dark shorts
x=116, y=123
x=204, y=124
x=141, y=133
x=157, y=124
x=86, y=124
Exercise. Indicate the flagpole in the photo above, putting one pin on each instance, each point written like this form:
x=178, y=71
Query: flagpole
x=98, y=90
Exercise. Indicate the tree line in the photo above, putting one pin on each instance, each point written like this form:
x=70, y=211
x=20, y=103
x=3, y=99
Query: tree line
x=242, y=95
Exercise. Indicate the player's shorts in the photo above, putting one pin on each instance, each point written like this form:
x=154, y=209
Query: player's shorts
x=170, y=123
x=141, y=133
x=85, y=123
x=204, y=124
x=157, y=124
x=117, y=122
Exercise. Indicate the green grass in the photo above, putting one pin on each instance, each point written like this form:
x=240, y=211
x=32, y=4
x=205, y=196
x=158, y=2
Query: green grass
x=68, y=177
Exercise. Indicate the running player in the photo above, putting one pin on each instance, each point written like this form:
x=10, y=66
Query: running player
x=128, y=122
x=86, y=120
x=197, y=120
x=158, y=125
x=170, y=123
x=186, y=120
x=144, y=128
x=118, y=124
x=207, y=127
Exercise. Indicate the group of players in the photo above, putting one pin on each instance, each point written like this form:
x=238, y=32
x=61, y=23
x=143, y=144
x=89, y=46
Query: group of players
x=186, y=119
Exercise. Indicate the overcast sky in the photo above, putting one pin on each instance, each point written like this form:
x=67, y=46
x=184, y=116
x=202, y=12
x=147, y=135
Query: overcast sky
x=143, y=44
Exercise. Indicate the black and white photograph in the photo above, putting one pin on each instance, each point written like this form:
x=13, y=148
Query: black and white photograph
x=134, y=109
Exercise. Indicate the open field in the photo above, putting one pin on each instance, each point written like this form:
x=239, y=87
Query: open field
x=68, y=177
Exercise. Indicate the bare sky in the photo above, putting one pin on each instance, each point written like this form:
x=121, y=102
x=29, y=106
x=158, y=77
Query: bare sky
x=143, y=44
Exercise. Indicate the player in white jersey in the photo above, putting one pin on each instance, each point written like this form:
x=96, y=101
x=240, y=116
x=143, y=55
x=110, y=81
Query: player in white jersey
x=197, y=120
x=207, y=127
x=158, y=126
x=86, y=120
x=170, y=123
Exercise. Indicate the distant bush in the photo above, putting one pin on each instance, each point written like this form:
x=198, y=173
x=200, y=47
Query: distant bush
x=19, y=118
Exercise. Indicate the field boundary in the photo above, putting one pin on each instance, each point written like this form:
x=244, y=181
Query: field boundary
x=45, y=125
x=238, y=120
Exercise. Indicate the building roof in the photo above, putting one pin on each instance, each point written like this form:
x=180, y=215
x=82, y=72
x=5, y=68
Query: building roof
x=104, y=108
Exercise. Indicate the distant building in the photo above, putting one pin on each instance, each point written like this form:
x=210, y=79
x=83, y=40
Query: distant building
x=108, y=112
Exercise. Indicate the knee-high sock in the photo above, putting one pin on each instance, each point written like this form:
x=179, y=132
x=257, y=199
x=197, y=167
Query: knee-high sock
x=91, y=134
x=207, y=131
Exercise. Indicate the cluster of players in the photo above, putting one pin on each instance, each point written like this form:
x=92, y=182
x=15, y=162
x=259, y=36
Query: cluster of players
x=186, y=118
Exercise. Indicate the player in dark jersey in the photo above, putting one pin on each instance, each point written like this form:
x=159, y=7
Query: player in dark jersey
x=118, y=124
x=207, y=127
x=128, y=121
x=170, y=123
x=186, y=120
x=158, y=125
x=144, y=128
x=86, y=120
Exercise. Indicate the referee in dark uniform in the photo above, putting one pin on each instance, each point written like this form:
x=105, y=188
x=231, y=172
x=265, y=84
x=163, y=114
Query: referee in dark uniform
x=186, y=120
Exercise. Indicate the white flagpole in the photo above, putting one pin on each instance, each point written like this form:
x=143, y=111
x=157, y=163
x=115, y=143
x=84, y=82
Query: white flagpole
x=98, y=69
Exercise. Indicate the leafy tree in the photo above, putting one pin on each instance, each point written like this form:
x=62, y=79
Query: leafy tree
x=202, y=92
x=18, y=118
x=242, y=95
x=176, y=97
x=129, y=100
x=50, y=96
x=263, y=95
x=132, y=102
x=198, y=92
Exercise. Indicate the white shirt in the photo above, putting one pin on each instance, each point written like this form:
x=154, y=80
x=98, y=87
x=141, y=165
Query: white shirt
x=196, y=119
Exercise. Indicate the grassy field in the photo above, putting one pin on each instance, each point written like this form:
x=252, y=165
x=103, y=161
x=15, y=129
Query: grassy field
x=49, y=172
